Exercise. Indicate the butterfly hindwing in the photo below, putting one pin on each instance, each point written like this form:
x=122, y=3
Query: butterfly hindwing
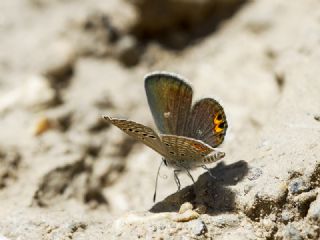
x=180, y=147
x=207, y=122
x=138, y=131
x=169, y=98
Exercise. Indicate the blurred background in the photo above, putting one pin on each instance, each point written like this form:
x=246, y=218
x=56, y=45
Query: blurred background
x=64, y=64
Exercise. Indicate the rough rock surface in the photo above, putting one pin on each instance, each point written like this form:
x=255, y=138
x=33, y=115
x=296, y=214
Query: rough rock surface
x=66, y=174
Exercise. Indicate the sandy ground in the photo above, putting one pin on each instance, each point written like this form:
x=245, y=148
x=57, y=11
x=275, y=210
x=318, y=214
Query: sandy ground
x=66, y=174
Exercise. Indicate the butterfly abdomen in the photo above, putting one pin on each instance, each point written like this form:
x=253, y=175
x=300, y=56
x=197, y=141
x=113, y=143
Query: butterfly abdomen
x=213, y=157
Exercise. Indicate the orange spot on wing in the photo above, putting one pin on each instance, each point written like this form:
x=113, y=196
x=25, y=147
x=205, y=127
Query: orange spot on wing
x=199, y=147
x=216, y=122
x=217, y=129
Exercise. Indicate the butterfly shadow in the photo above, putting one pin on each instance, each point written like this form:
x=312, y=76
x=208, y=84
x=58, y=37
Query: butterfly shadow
x=214, y=192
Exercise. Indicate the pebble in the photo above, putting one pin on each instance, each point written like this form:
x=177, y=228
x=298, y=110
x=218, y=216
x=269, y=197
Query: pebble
x=42, y=125
x=290, y=232
x=287, y=216
x=185, y=206
x=198, y=227
x=314, y=210
x=186, y=216
x=298, y=185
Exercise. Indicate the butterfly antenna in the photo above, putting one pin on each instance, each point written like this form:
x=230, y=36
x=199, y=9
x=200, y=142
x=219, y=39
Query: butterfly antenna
x=155, y=188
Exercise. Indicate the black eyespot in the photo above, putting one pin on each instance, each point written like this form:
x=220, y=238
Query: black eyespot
x=221, y=125
x=167, y=144
x=182, y=154
x=219, y=117
x=150, y=136
x=136, y=131
x=144, y=134
x=130, y=129
x=171, y=152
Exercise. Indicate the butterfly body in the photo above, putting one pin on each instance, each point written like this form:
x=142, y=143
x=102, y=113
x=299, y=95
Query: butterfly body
x=188, y=133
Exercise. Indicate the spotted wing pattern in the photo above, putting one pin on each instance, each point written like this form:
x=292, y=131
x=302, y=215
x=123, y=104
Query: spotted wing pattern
x=140, y=132
x=207, y=122
x=169, y=98
x=184, y=148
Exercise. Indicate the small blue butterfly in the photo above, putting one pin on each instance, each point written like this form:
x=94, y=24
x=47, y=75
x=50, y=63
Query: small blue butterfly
x=188, y=133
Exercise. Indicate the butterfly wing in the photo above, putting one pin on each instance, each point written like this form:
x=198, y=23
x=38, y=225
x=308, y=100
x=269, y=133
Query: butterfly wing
x=139, y=132
x=207, y=122
x=184, y=147
x=169, y=98
x=187, y=153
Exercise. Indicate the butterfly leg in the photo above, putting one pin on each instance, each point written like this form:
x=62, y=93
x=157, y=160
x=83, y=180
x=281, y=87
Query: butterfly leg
x=189, y=174
x=176, y=179
x=208, y=170
x=156, y=185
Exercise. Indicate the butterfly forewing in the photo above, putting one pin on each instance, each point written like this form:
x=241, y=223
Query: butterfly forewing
x=169, y=99
x=139, y=132
x=207, y=122
x=179, y=147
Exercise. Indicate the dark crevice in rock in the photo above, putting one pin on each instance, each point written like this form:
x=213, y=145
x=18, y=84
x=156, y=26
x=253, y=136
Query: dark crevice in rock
x=304, y=205
x=315, y=177
x=55, y=183
x=264, y=206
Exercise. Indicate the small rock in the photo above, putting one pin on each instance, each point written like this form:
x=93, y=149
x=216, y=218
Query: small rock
x=198, y=227
x=314, y=210
x=42, y=125
x=298, y=185
x=186, y=216
x=184, y=207
x=290, y=232
x=317, y=117
x=287, y=216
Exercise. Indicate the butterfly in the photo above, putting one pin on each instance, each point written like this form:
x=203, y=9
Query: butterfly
x=188, y=132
